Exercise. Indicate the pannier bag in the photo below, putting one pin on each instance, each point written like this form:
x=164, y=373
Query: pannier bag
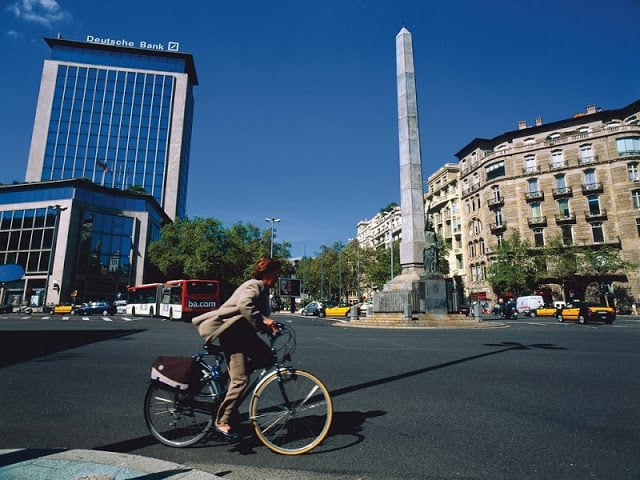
x=178, y=372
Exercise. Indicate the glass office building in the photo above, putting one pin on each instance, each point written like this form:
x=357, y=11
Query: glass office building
x=76, y=240
x=108, y=118
x=119, y=116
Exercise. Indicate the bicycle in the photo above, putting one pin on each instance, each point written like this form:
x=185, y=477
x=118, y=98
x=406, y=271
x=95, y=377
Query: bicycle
x=290, y=409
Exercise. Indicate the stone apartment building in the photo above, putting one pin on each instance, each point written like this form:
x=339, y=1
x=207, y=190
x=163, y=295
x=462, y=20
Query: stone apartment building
x=578, y=178
x=442, y=209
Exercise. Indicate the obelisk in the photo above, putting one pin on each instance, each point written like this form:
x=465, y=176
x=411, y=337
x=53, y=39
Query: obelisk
x=411, y=187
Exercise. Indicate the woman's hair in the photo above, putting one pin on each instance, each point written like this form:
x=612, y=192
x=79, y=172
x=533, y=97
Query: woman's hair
x=265, y=265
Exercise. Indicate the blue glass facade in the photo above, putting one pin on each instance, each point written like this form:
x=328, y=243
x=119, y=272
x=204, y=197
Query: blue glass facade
x=104, y=230
x=111, y=119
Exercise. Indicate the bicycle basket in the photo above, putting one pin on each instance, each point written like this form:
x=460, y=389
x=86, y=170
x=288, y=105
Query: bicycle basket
x=284, y=343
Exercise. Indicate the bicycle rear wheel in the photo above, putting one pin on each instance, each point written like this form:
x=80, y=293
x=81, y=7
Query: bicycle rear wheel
x=291, y=411
x=179, y=418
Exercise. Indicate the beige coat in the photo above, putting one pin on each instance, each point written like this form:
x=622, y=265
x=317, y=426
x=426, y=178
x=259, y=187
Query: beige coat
x=250, y=301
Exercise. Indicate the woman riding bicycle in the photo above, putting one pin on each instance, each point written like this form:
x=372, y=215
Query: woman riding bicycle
x=236, y=324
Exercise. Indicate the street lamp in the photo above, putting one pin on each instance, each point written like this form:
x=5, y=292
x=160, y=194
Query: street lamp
x=273, y=221
x=58, y=209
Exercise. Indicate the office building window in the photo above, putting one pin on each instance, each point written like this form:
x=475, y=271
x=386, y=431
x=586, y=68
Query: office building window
x=563, y=208
x=632, y=170
x=557, y=159
x=538, y=237
x=567, y=235
x=628, y=146
x=594, y=204
x=638, y=225
x=586, y=154
x=530, y=164
x=495, y=170
x=590, y=179
x=598, y=233
x=26, y=238
x=635, y=197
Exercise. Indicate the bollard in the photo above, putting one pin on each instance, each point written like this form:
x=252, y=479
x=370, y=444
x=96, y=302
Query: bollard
x=353, y=313
x=477, y=311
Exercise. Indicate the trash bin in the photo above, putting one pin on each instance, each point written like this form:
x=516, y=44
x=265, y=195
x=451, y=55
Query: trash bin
x=353, y=313
x=477, y=310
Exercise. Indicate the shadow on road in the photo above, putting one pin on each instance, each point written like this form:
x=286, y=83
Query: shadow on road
x=20, y=346
x=508, y=347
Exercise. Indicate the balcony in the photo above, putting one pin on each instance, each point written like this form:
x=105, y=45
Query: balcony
x=562, y=192
x=537, y=221
x=498, y=227
x=494, y=202
x=595, y=215
x=588, y=160
x=530, y=170
x=565, y=218
x=538, y=195
x=557, y=165
x=595, y=187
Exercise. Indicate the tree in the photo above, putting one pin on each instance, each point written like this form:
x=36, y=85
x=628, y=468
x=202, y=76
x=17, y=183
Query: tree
x=380, y=269
x=513, y=269
x=575, y=268
x=203, y=248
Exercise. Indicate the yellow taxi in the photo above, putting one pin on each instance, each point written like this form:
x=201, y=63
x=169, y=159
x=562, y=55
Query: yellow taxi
x=545, y=311
x=338, y=311
x=584, y=312
x=61, y=309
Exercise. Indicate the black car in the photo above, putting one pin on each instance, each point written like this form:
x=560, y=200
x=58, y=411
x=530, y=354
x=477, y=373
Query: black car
x=103, y=308
x=314, y=309
x=8, y=308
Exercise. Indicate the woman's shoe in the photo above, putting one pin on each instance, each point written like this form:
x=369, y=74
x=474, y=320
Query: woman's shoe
x=228, y=436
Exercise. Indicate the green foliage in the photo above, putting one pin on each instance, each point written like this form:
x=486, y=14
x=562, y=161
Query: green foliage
x=203, y=248
x=514, y=268
x=389, y=208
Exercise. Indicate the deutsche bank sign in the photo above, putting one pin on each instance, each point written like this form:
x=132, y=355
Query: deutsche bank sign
x=121, y=42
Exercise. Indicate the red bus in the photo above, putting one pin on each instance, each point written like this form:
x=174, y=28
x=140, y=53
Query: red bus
x=185, y=299
x=144, y=300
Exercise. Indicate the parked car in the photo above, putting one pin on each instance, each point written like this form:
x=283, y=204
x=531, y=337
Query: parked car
x=584, y=312
x=545, y=311
x=314, y=309
x=527, y=304
x=338, y=311
x=121, y=306
x=104, y=308
x=8, y=308
x=60, y=309
x=365, y=308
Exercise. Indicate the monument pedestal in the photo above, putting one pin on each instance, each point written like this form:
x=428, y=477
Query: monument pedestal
x=412, y=294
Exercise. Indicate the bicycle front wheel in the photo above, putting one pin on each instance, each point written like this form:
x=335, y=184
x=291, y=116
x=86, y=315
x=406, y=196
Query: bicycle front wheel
x=291, y=411
x=178, y=418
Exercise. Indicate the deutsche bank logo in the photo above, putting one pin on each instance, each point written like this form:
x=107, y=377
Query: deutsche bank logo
x=173, y=46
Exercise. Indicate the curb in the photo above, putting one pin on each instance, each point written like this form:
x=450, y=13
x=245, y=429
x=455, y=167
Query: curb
x=56, y=464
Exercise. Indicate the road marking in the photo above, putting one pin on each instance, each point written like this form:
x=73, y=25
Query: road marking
x=107, y=319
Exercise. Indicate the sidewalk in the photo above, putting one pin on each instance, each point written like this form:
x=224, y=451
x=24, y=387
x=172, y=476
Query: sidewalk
x=50, y=464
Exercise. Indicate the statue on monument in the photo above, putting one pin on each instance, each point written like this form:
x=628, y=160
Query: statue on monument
x=431, y=249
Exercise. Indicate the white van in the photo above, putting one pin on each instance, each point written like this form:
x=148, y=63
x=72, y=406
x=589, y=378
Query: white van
x=528, y=305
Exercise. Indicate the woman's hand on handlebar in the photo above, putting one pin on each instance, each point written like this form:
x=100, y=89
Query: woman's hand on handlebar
x=272, y=326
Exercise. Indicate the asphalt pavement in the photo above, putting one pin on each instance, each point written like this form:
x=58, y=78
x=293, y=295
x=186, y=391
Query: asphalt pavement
x=78, y=464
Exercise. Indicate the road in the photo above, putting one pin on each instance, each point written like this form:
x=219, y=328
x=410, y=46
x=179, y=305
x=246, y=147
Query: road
x=534, y=400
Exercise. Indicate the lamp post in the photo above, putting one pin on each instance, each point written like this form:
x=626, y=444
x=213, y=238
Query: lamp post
x=58, y=209
x=273, y=221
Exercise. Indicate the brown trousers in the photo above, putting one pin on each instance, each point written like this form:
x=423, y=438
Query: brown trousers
x=245, y=352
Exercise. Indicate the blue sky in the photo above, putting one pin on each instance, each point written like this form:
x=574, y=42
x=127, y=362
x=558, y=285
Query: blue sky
x=296, y=113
